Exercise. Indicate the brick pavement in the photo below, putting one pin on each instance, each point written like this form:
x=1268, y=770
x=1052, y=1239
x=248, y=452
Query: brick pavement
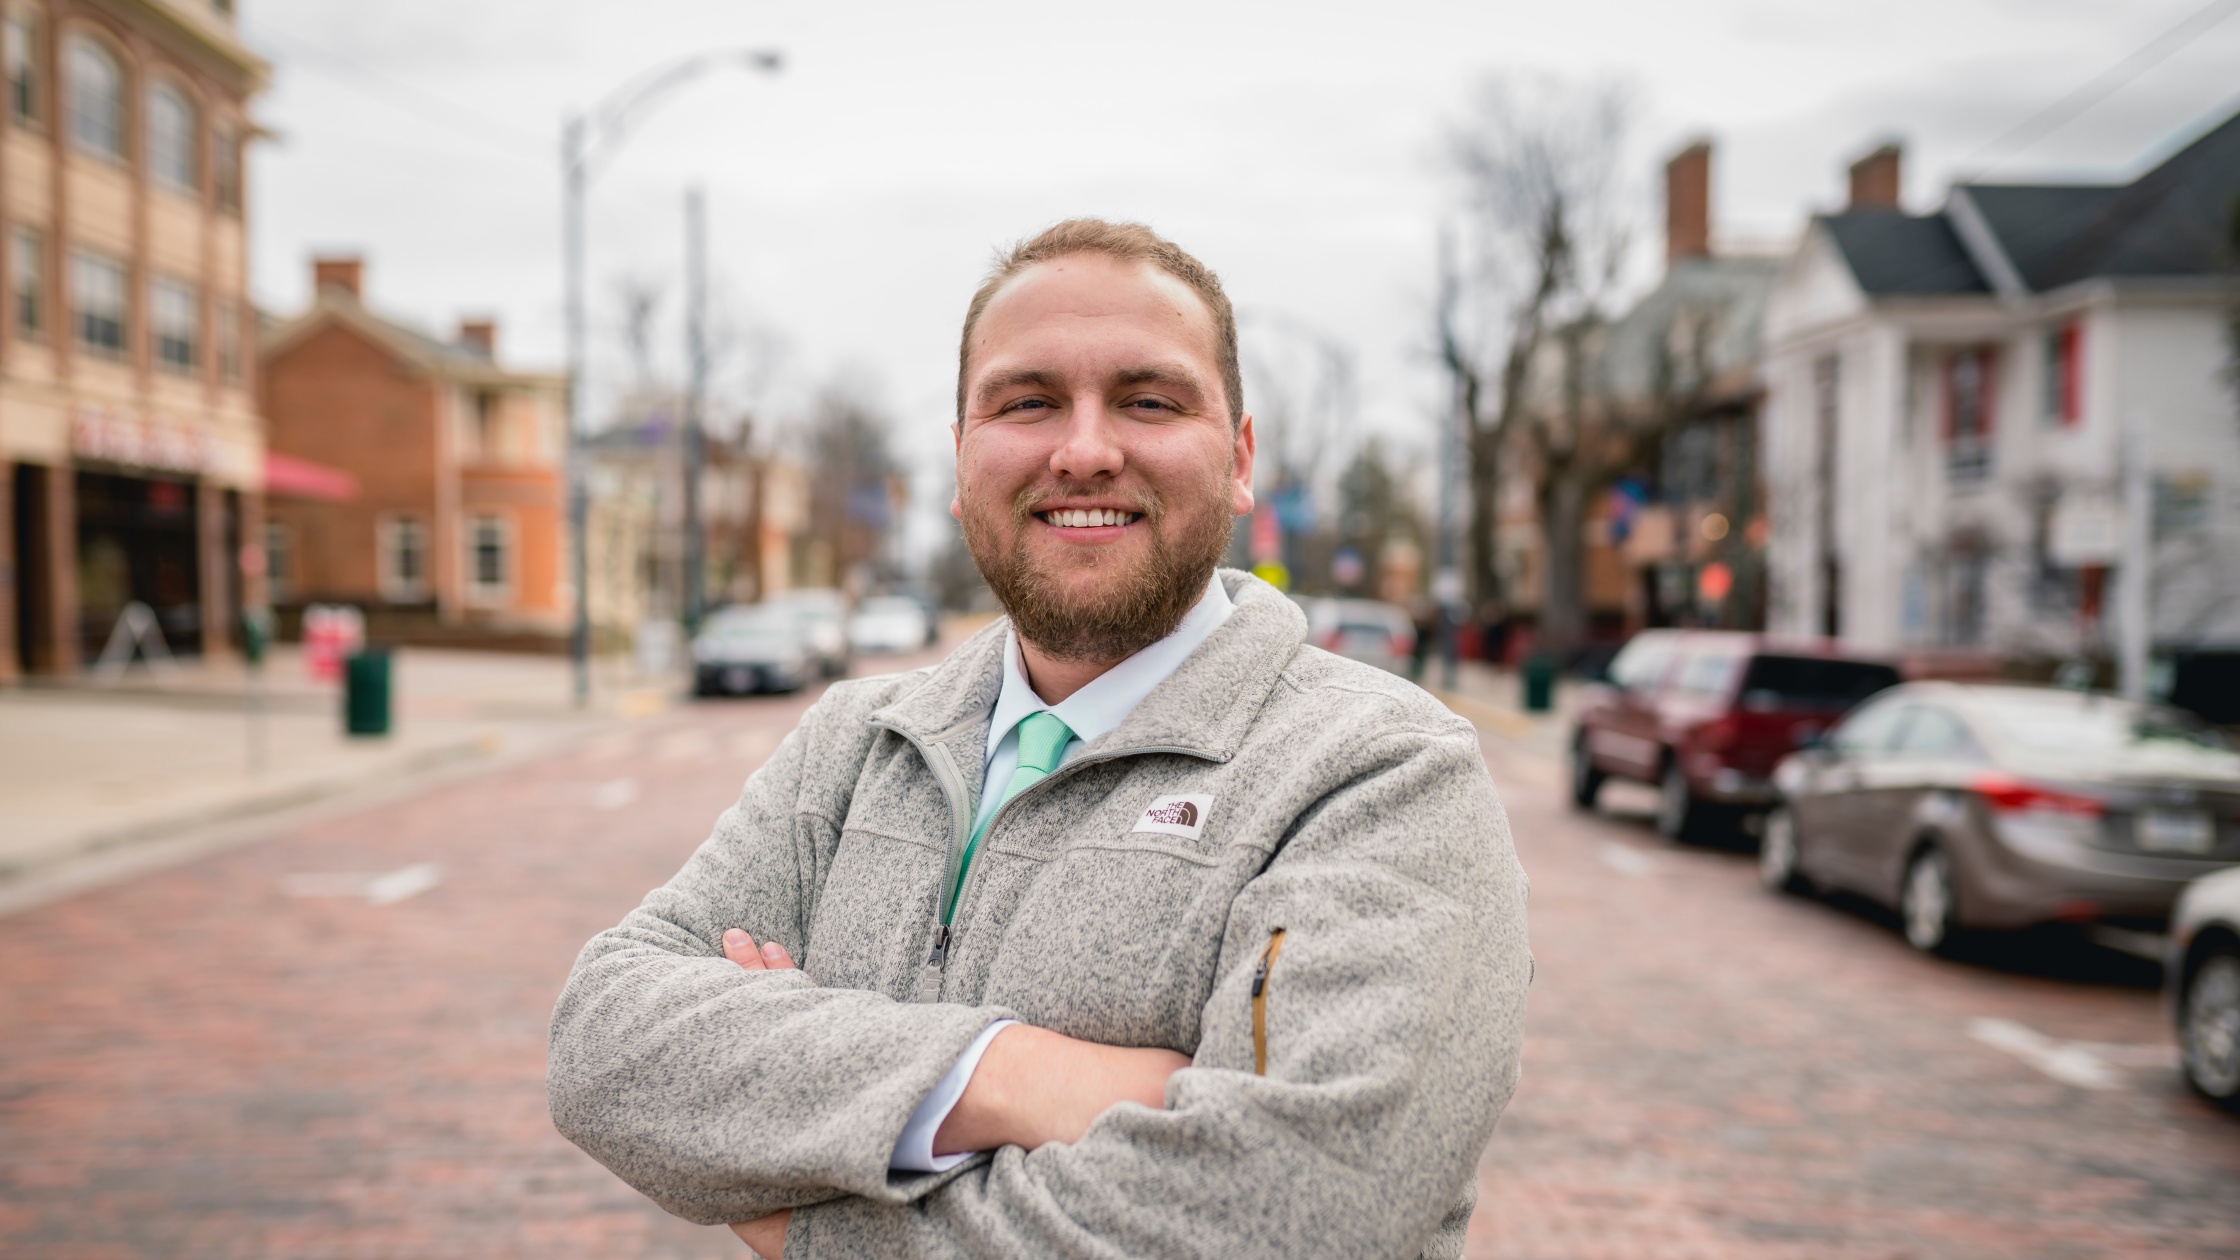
x=1714, y=1071
x=197, y=1063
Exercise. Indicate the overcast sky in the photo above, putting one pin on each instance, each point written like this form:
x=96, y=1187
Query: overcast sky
x=855, y=197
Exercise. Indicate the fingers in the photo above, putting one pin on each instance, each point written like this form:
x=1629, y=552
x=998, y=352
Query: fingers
x=741, y=949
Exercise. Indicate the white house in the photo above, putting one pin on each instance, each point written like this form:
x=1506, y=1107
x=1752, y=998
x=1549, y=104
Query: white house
x=1947, y=403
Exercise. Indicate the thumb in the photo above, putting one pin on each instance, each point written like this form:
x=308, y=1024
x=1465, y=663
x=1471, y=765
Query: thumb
x=775, y=957
x=739, y=948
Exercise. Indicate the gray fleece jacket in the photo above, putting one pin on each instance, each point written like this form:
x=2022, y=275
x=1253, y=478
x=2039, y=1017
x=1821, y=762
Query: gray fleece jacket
x=1328, y=801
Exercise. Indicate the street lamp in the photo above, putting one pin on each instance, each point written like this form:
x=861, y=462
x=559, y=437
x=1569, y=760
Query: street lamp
x=585, y=139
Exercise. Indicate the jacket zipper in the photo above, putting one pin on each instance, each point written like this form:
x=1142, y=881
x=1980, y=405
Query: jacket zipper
x=1260, y=1002
x=952, y=786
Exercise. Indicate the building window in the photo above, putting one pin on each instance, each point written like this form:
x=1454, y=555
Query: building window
x=276, y=558
x=225, y=160
x=22, y=51
x=27, y=283
x=2064, y=401
x=487, y=558
x=174, y=140
x=229, y=343
x=1968, y=413
x=96, y=90
x=97, y=294
x=403, y=541
x=175, y=318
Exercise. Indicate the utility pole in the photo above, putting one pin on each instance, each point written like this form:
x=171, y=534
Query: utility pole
x=2135, y=579
x=695, y=403
x=584, y=138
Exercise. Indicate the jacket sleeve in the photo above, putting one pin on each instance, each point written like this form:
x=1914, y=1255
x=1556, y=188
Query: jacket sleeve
x=1394, y=1022
x=724, y=1094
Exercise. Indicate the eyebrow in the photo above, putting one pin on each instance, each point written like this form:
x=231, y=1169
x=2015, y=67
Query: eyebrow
x=1039, y=378
x=1173, y=374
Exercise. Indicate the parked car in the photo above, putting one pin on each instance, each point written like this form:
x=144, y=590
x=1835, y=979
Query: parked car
x=888, y=623
x=744, y=650
x=1366, y=630
x=1705, y=715
x=823, y=614
x=2203, y=982
x=1994, y=806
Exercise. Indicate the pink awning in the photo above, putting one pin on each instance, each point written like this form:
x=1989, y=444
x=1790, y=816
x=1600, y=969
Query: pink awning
x=293, y=478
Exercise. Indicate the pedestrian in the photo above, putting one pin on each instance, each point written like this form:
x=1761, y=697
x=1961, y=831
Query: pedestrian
x=1133, y=927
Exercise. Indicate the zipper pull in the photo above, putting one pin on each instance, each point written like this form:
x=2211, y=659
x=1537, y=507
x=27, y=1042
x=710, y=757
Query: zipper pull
x=940, y=946
x=1260, y=976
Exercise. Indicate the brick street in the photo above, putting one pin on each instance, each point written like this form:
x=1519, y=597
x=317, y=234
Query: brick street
x=214, y=1061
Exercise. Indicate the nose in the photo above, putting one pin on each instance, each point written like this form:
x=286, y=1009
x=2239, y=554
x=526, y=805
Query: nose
x=1090, y=447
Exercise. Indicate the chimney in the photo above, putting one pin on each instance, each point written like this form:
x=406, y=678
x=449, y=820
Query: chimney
x=480, y=335
x=342, y=271
x=1687, y=203
x=1874, y=179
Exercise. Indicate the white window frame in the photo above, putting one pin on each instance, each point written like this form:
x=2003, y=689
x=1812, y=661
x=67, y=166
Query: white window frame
x=390, y=532
x=98, y=132
x=27, y=283
x=169, y=302
x=26, y=82
x=94, y=274
x=478, y=590
x=174, y=160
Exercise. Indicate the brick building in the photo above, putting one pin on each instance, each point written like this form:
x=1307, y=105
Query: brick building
x=131, y=463
x=454, y=530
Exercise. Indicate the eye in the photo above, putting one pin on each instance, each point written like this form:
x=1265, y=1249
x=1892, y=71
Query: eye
x=1149, y=404
x=1024, y=404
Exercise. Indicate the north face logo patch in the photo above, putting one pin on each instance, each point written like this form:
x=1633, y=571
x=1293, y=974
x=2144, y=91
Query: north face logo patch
x=1183, y=816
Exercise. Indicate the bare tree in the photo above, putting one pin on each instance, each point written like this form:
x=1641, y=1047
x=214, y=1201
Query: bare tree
x=1544, y=237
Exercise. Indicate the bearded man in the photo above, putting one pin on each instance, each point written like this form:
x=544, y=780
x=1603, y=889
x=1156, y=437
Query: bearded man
x=1135, y=927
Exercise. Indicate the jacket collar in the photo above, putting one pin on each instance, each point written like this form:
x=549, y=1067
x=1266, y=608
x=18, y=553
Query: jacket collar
x=1203, y=708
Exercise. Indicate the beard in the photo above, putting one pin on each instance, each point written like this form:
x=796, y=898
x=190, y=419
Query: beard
x=1132, y=605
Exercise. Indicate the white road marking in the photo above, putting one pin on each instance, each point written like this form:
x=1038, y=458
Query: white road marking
x=615, y=793
x=2084, y=1064
x=378, y=889
x=1625, y=859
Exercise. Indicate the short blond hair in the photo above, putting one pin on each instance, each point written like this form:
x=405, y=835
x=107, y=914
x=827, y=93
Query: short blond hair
x=1124, y=242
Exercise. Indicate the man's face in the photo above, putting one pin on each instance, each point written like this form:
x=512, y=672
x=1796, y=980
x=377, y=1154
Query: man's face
x=1097, y=470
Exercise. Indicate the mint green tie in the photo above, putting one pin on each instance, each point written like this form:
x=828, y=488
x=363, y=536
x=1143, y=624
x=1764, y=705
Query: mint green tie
x=1042, y=737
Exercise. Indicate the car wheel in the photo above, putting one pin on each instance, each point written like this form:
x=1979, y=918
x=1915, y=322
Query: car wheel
x=1777, y=854
x=2209, y=1027
x=1679, y=814
x=1925, y=902
x=1586, y=779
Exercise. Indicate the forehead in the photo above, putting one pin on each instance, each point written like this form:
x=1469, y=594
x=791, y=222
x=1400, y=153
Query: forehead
x=1082, y=302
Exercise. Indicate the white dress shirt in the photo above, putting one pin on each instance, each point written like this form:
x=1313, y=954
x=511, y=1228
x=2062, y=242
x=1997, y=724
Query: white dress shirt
x=1088, y=713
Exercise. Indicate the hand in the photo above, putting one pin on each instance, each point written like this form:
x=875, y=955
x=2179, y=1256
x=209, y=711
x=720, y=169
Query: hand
x=765, y=1234
x=1035, y=1086
x=740, y=948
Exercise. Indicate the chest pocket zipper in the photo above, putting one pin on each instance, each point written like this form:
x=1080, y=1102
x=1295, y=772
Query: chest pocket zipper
x=1260, y=1002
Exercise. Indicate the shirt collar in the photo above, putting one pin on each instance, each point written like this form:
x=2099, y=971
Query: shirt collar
x=1113, y=694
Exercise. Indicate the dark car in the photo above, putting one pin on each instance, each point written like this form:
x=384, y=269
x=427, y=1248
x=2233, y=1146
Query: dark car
x=1706, y=715
x=1997, y=806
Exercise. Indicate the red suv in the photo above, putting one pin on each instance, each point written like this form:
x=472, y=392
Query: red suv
x=1706, y=714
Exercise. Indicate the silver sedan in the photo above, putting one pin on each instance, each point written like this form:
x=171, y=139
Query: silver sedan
x=1987, y=806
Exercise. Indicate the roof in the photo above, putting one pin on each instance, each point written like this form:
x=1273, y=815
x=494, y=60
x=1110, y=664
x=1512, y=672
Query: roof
x=1894, y=254
x=2178, y=219
x=2036, y=224
x=455, y=360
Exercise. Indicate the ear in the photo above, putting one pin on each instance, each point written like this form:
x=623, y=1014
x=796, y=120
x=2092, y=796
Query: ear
x=1240, y=470
x=956, y=500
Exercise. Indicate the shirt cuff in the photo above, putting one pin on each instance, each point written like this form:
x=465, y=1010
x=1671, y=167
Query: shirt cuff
x=913, y=1151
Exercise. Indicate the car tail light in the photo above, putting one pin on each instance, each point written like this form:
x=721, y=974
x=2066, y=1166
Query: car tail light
x=2012, y=796
x=1403, y=645
x=1328, y=640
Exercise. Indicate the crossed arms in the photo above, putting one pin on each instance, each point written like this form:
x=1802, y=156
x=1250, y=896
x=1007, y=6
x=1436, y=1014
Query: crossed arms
x=733, y=1093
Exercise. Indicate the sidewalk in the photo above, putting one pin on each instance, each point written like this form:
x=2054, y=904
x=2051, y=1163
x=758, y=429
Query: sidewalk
x=88, y=766
x=1493, y=700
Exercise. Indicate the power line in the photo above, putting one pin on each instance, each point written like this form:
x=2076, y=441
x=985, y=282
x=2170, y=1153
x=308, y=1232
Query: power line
x=410, y=98
x=2098, y=88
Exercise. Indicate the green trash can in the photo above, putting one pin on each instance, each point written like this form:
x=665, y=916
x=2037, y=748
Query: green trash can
x=1539, y=683
x=365, y=693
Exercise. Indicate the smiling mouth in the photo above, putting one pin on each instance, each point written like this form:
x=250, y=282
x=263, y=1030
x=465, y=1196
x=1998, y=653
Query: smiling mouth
x=1087, y=518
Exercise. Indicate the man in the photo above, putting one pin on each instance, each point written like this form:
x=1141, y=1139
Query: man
x=1134, y=927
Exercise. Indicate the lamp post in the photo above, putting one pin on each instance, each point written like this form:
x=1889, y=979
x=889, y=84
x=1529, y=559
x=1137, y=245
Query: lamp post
x=584, y=140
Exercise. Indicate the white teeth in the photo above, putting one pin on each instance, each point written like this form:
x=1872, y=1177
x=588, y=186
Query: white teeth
x=1083, y=518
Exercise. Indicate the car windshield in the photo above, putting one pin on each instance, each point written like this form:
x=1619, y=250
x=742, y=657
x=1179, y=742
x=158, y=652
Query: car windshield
x=1810, y=682
x=2106, y=733
x=760, y=628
